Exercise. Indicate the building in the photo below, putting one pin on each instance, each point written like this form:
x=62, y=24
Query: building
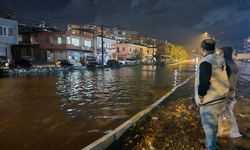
x=108, y=48
x=28, y=46
x=65, y=45
x=130, y=51
x=8, y=36
x=246, y=45
x=117, y=33
x=241, y=56
x=151, y=53
x=96, y=32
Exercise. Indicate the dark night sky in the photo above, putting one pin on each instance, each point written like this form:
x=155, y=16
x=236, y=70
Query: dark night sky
x=179, y=21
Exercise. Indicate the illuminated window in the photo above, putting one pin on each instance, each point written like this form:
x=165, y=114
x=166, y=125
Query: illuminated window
x=68, y=40
x=59, y=40
x=87, y=43
x=75, y=42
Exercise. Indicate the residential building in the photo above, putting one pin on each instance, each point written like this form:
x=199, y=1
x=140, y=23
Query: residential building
x=108, y=48
x=28, y=46
x=8, y=36
x=65, y=45
x=151, y=52
x=129, y=51
x=117, y=33
x=246, y=45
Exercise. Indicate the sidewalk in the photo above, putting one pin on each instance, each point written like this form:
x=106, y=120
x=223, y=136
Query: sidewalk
x=175, y=124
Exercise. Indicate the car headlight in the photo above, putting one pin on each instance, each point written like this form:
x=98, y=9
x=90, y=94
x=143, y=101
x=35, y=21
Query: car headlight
x=6, y=64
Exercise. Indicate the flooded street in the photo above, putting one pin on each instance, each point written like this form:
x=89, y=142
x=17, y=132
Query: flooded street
x=72, y=109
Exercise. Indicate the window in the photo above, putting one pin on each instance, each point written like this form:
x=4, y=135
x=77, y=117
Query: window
x=68, y=40
x=4, y=31
x=1, y=30
x=123, y=49
x=117, y=49
x=59, y=40
x=11, y=32
x=87, y=43
x=75, y=42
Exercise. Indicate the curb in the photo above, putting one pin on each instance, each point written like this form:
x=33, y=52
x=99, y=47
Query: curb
x=115, y=134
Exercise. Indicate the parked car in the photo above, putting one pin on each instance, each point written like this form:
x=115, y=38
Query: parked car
x=3, y=62
x=63, y=63
x=20, y=63
x=114, y=63
x=91, y=62
x=129, y=62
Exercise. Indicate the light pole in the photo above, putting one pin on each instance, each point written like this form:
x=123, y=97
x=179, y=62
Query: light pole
x=205, y=35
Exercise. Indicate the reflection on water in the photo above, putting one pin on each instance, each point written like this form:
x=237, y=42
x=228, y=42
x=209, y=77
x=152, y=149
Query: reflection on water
x=70, y=110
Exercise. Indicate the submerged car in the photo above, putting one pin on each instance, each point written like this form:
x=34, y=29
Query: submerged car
x=91, y=62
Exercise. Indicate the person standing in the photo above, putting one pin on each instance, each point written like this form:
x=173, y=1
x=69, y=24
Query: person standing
x=232, y=73
x=211, y=89
x=232, y=70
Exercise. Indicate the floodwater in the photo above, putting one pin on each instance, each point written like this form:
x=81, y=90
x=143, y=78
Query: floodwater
x=70, y=110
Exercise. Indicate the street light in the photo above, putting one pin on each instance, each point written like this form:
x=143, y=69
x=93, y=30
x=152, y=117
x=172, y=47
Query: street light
x=205, y=35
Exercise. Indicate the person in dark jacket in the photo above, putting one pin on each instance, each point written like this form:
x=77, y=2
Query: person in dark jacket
x=232, y=73
x=232, y=70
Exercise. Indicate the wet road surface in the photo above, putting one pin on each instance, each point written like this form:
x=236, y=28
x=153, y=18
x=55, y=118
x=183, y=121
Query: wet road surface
x=70, y=110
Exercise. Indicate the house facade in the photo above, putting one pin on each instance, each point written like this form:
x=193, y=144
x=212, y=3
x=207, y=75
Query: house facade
x=28, y=45
x=129, y=51
x=8, y=36
x=65, y=45
x=108, y=48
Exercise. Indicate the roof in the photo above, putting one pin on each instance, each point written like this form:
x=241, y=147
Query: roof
x=22, y=28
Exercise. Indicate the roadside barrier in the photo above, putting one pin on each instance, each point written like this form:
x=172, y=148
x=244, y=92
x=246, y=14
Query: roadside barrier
x=115, y=134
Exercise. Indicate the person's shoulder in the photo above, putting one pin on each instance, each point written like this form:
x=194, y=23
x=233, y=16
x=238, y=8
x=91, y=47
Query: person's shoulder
x=205, y=64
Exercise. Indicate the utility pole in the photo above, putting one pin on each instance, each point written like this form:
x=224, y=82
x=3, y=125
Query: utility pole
x=94, y=41
x=102, y=46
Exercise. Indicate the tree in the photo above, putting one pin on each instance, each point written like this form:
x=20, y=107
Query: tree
x=171, y=50
x=137, y=54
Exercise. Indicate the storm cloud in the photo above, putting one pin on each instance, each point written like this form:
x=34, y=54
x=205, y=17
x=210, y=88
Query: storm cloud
x=178, y=21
